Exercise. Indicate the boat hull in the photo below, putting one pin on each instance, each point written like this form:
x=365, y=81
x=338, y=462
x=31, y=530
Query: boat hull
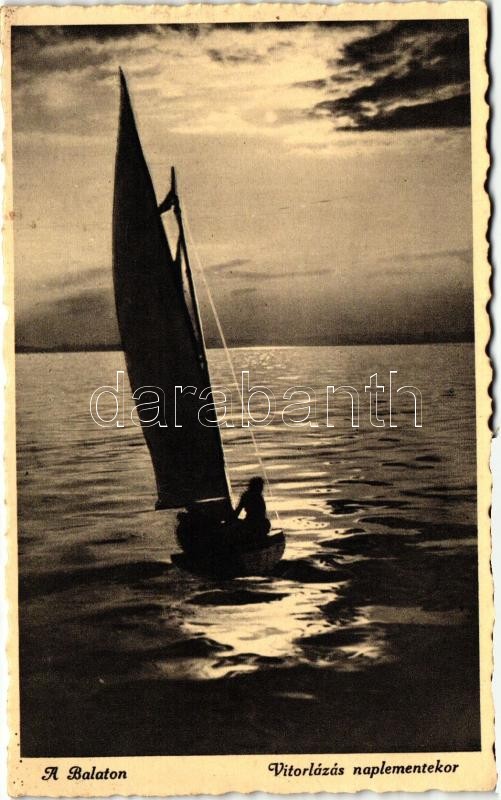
x=223, y=560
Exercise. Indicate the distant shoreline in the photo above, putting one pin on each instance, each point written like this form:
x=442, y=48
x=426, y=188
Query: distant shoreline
x=24, y=349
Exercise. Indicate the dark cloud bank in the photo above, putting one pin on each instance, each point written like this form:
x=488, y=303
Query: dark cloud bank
x=414, y=75
x=251, y=318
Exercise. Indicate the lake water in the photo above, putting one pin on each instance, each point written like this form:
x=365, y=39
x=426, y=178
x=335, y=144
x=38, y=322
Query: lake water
x=364, y=639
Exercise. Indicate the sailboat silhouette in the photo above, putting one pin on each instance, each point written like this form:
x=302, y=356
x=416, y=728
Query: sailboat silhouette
x=163, y=342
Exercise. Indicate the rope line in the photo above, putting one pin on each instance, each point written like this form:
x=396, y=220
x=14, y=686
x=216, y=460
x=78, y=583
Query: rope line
x=228, y=354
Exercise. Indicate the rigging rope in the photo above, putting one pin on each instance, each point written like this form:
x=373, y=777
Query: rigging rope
x=212, y=304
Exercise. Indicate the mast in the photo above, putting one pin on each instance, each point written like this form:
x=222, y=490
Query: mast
x=189, y=276
x=195, y=313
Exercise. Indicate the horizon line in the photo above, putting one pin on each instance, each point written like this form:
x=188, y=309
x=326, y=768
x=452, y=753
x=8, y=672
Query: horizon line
x=26, y=349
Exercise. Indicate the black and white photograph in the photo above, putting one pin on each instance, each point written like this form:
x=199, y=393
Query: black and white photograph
x=249, y=327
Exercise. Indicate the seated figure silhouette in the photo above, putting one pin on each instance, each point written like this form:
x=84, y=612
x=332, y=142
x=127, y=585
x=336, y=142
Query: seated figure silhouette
x=252, y=502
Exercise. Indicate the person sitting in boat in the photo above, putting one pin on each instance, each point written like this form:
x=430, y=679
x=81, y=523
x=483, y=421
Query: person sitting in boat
x=252, y=502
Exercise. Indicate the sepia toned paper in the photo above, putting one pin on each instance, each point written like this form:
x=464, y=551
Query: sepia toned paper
x=324, y=235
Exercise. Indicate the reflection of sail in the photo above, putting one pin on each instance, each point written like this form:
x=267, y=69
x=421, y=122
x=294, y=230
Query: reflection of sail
x=158, y=338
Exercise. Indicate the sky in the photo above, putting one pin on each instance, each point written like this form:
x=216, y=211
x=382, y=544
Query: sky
x=324, y=173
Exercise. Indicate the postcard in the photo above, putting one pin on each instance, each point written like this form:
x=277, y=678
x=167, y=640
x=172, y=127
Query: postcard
x=247, y=278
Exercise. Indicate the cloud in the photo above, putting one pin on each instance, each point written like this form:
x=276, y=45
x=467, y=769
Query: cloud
x=464, y=255
x=71, y=321
x=379, y=49
x=234, y=269
x=242, y=55
x=228, y=266
x=318, y=83
x=408, y=74
x=270, y=275
x=244, y=291
x=453, y=265
x=45, y=49
x=453, y=112
x=89, y=278
x=58, y=59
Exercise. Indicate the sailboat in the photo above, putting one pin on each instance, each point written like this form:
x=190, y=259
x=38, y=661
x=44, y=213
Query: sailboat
x=163, y=342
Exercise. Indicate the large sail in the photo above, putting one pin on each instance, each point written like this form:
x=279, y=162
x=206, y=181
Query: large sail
x=160, y=345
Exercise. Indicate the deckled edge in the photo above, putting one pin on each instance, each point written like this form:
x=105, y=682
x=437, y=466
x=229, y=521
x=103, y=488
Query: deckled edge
x=7, y=372
x=483, y=331
x=253, y=11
